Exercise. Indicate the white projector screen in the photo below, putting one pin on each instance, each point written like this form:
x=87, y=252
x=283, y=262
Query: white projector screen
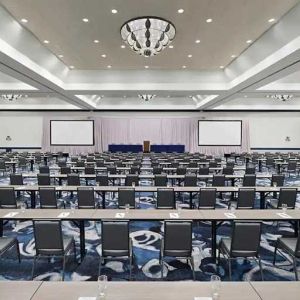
x=71, y=133
x=219, y=133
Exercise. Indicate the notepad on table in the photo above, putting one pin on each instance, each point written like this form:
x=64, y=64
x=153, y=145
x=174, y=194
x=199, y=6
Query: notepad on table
x=119, y=215
x=63, y=215
x=230, y=215
x=11, y=214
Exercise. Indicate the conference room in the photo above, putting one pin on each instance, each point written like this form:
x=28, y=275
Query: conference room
x=149, y=149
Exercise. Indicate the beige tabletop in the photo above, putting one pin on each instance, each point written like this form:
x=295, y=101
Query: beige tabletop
x=18, y=290
x=144, y=290
x=277, y=290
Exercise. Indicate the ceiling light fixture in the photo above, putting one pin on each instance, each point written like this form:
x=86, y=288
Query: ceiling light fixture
x=233, y=56
x=190, y=55
x=60, y=56
x=183, y=67
x=249, y=42
x=114, y=11
x=103, y=55
x=208, y=20
x=146, y=67
x=109, y=66
x=123, y=46
x=46, y=42
x=71, y=67
x=281, y=97
x=180, y=10
x=96, y=41
x=221, y=67
x=148, y=36
x=11, y=97
x=85, y=20
x=171, y=46
x=197, y=41
x=146, y=97
x=271, y=20
x=24, y=20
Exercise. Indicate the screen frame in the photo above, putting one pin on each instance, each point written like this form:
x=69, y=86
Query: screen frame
x=93, y=122
x=220, y=145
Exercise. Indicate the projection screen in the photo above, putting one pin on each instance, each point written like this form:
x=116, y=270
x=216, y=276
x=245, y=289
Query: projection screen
x=72, y=132
x=220, y=133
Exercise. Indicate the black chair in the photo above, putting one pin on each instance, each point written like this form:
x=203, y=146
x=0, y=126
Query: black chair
x=213, y=164
x=246, y=198
x=116, y=242
x=44, y=170
x=16, y=179
x=160, y=180
x=190, y=180
x=8, y=198
x=181, y=171
x=287, y=196
x=244, y=243
x=250, y=170
x=134, y=170
x=102, y=180
x=80, y=164
x=132, y=178
x=7, y=243
x=86, y=197
x=3, y=168
x=249, y=180
x=292, y=247
x=89, y=170
x=126, y=196
x=43, y=179
x=157, y=170
x=48, y=197
x=292, y=167
x=177, y=242
x=277, y=179
x=111, y=170
x=218, y=180
x=227, y=171
x=73, y=179
x=65, y=170
x=49, y=241
x=207, y=198
x=165, y=198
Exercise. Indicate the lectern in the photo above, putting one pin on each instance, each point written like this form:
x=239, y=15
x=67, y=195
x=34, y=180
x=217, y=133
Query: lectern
x=146, y=146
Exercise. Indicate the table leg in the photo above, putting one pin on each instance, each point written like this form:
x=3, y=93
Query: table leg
x=45, y=161
x=262, y=200
x=31, y=165
x=191, y=200
x=82, y=239
x=32, y=198
x=259, y=165
x=1, y=228
x=14, y=167
x=103, y=199
x=214, y=240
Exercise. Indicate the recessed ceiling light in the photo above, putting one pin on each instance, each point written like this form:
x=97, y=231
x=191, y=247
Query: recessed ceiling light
x=208, y=20
x=233, y=56
x=221, y=67
x=103, y=55
x=271, y=20
x=46, y=42
x=180, y=11
x=109, y=66
x=171, y=46
x=245, y=96
x=24, y=20
x=146, y=67
x=183, y=67
x=85, y=20
x=249, y=42
x=96, y=41
x=71, y=67
x=190, y=55
x=123, y=46
x=114, y=11
x=197, y=41
x=60, y=56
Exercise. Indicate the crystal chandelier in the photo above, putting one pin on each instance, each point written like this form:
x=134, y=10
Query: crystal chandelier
x=11, y=97
x=281, y=97
x=146, y=97
x=148, y=36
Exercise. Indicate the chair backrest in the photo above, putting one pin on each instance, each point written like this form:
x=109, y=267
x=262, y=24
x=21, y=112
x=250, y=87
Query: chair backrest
x=65, y=170
x=249, y=180
x=90, y=159
x=297, y=249
x=100, y=163
x=246, y=198
x=193, y=164
x=160, y=180
x=102, y=180
x=245, y=239
x=115, y=238
x=48, y=237
x=62, y=163
x=250, y=170
x=218, y=180
x=134, y=170
x=126, y=196
x=2, y=165
x=8, y=198
x=278, y=179
x=207, y=198
x=44, y=169
x=181, y=171
x=157, y=170
x=165, y=198
x=86, y=197
x=292, y=166
x=230, y=164
x=89, y=170
x=287, y=196
x=111, y=170
x=73, y=179
x=177, y=239
x=47, y=197
x=16, y=179
x=130, y=178
x=43, y=179
x=190, y=180
x=227, y=170
x=203, y=171
x=213, y=164
x=80, y=163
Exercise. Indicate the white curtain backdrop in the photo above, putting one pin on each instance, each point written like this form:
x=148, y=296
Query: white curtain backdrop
x=136, y=130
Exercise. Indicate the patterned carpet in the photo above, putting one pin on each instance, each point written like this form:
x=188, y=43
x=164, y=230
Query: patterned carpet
x=146, y=240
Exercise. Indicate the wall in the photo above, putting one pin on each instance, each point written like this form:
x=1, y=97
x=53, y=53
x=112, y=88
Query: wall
x=267, y=130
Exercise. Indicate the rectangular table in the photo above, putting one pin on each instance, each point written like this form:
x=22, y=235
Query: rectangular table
x=125, y=148
x=18, y=290
x=167, y=148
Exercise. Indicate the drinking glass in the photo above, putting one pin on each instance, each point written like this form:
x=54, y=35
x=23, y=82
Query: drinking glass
x=73, y=207
x=127, y=208
x=215, y=286
x=275, y=184
x=23, y=207
x=284, y=208
x=133, y=184
x=232, y=209
x=102, y=286
x=179, y=209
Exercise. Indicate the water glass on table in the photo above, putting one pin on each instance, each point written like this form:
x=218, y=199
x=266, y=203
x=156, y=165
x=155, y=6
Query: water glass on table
x=284, y=208
x=102, y=286
x=215, y=286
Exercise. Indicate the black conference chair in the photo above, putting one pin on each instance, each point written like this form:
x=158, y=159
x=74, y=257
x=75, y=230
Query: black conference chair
x=190, y=180
x=246, y=198
x=43, y=179
x=249, y=180
x=227, y=171
x=65, y=170
x=250, y=170
x=287, y=196
x=48, y=197
x=160, y=180
x=80, y=164
x=213, y=164
x=102, y=180
x=218, y=180
x=177, y=243
x=3, y=168
x=126, y=196
x=132, y=178
x=89, y=170
x=86, y=197
x=7, y=243
x=181, y=171
x=16, y=179
x=157, y=170
x=292, y=247
x=277, y=179
x=165, y=198
x=44, y=170
x=116, y=242
x=292, y=168
x=73, y=179
x=134, y=170
x=49, y=241
x=111, y=170
x=203, y=171
x=8, y=198
x=207, y=198
x=244, y=243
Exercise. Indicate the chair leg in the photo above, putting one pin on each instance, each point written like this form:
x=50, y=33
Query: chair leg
x=130, y=267
x=64, y=265
x=162, y=267
x=261, y=269
x=33, y=267
x=193, y=267
x=295, y=267
x=18, y=251
x=275, y=252
x=229, y=268
x=74, y=250
x=100, y=265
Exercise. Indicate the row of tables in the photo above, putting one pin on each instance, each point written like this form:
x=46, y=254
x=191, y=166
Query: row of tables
x=37, y=290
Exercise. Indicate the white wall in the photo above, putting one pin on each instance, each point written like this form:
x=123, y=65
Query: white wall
x=267, y=130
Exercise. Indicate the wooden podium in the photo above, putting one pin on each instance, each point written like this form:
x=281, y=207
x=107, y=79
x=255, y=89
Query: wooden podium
x=146, y=146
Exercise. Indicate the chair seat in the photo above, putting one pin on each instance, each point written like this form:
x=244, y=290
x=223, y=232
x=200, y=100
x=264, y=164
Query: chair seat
x=288, y=245
x=67, y=243
x=177, y=253
x=6, y=243
x=225, y=244
x=115, y=253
